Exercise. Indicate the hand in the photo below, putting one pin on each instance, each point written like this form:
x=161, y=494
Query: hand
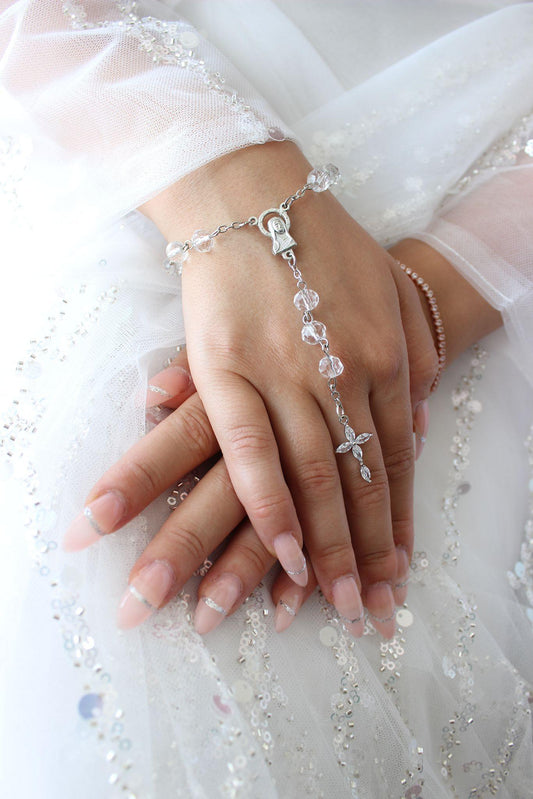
x=270, y=409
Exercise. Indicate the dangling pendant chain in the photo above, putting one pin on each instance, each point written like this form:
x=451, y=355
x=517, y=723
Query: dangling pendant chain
x=306, y=300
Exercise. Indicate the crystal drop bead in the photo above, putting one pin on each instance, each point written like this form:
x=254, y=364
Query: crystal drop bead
x=321, y=178
x=170, y=267
x=312, y=332
x=330, y=366
x=306, y=299
x=201, y=241
x=176, y=253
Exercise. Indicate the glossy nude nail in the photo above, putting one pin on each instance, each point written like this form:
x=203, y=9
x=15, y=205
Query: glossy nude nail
x=214, y=607
x=166, y=384
x=99, y=518
x=347, y=601
x=145, y=594
x=402, y=576
x=421, y=426
x=381, y=608
x=291, y=557
x=287, y=608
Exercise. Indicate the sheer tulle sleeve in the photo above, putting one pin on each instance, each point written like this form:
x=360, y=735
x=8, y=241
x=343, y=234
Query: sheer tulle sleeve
x=121, y=106
x=487, y=234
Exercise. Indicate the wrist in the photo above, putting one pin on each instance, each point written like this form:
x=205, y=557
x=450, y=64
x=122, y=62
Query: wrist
x=466, y=315
x=234, y=186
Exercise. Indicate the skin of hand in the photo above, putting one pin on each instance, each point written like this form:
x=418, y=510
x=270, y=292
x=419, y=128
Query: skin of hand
x=195, y=529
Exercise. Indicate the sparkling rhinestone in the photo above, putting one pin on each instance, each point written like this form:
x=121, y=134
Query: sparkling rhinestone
x=323, y=177
x=276, y=134
x=90, y=705
x=306, y=299
x=528, y=149
x=201, y=241
x=404, y=617
x=330, y=366
x=189, y=40
x=519, y=569
x=176, y=253
x=328, y=636
x=463, y=488
x=312, y=332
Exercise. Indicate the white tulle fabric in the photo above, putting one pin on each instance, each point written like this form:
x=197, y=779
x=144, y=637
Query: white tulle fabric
x=426, y=111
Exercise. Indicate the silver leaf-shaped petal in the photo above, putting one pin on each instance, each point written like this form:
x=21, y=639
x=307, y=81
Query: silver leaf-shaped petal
x=346, y=447
x=349, y=432
x=365, y=474
x=363, y=438
x=357, y=453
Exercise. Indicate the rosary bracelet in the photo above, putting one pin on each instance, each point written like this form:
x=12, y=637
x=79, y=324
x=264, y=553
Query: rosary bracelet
x=306, y=300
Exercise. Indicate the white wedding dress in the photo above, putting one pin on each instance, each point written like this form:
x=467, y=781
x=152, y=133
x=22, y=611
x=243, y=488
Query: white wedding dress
x=427, y=108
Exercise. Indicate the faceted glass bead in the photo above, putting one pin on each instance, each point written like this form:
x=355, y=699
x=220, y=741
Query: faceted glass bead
x=201, y=241
x=176, y=253
x=312, y=332
x=330, y=367
x=323, y=177
x=306, y=299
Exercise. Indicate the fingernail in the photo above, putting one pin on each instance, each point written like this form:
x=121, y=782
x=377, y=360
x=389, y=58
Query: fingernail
x=99, y=518
x=287, y=608
x=145, y=593
x=347, y=601
x=291, y=558
x=402, y=576
x=211, y=610
x=166, y=384
x=421, y=426
x=381, y=608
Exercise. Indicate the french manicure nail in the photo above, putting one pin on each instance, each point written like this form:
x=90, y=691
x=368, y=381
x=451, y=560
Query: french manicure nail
x=99, y=518
x=421, y=426
x=291, y=557
x=381, y=608
x=211, y=610
x=347, y=601
x=287, y=608
x=166, y=384
x=145, y=594
x=402, y=576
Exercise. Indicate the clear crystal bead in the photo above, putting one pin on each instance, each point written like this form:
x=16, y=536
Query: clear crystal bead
x=201, y=241
x=306, y=299
x=313, y=331
x=176, y=253
x=321, y=178
x=330, y=366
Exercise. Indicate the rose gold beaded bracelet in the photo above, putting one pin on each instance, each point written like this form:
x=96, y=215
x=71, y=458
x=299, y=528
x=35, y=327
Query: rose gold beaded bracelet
x=435, y=317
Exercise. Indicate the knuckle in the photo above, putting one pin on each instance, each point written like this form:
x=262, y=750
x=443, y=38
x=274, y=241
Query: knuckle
x=369, y=496
x=195, y=427
x=185, y=540
x=318, y=478
x=424, y=369
x=379, y=563
x=249, y=441
x=255, y=557
x=265, y=506
x=389, y=366
x=143, y=479
x=400, y=463
x=337, y=553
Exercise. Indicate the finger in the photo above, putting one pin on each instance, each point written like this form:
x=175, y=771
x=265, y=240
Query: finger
x=243, y=429
x=233, y=578
x=289, y=598
x=369, y=517
x=172, y=449
x=311, y=470
x=393, y=419
x=172, y=385
x=183, y=543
